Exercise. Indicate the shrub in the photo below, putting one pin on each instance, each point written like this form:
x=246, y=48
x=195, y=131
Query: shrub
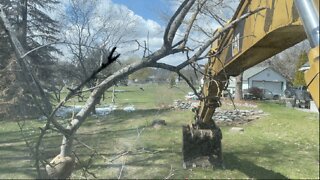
x=256, y=92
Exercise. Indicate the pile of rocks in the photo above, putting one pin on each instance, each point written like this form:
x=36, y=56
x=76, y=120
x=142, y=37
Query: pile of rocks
x=225, y=116
x=236, y=116
x=178, y=104
x=242, y=104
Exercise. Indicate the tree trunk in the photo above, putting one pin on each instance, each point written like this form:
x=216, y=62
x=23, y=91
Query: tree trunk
x=22, y=36
x=113, y=95
x=238, y=90
x=62, y=165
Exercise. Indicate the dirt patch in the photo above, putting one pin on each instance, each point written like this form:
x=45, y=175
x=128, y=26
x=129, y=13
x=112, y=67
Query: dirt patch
x=158, y=123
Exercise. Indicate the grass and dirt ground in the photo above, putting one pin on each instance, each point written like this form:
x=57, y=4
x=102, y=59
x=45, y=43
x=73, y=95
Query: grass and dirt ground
x=283, y=143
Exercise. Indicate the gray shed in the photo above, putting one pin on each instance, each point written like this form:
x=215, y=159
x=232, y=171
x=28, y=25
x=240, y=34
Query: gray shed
x=265, y=78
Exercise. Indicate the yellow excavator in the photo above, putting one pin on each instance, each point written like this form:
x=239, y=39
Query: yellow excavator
x=280, y=25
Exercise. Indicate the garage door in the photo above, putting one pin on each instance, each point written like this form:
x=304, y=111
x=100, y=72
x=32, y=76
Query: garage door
x=274, y=87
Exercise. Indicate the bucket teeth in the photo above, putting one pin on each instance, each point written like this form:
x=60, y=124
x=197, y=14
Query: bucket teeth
x=201, y=147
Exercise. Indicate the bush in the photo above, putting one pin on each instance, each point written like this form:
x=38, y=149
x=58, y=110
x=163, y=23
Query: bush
x=256, y=93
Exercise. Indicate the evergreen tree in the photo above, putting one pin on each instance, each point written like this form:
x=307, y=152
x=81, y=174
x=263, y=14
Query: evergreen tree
x=34, y=27
x=299, y=76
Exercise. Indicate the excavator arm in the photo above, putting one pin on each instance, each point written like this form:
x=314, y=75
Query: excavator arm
x=251, y=41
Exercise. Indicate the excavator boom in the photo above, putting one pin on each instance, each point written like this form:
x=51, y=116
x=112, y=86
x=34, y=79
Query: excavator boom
x=251, y=41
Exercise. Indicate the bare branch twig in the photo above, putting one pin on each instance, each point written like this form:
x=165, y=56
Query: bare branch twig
x=171, y=173
x=122, y=168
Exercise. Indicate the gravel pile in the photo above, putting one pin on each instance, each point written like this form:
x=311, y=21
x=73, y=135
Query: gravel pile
x=225, y=116
x=236, y=116
x=178, y=104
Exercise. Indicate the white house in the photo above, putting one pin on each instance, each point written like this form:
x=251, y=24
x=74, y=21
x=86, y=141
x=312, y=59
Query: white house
x=261, y=77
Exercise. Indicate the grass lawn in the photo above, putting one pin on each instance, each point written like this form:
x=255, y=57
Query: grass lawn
x=284, y=143
x=146, y=96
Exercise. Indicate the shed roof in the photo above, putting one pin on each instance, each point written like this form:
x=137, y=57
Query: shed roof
x=252, y=71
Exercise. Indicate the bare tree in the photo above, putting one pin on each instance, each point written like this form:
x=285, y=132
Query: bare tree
x=168, y=48
x=176, y=39
x=90, y=35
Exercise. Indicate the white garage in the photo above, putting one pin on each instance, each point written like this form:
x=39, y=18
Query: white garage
x=274, y=87
x=267, y=78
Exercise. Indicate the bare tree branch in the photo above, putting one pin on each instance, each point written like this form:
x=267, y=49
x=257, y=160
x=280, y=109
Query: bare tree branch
x=177, y=70
x=148, y=61
x=176, y=21
x=37, y=48
x=122, y=168
x=219, y=32
x=191, y=23
x=171, y=173
x=190, y=85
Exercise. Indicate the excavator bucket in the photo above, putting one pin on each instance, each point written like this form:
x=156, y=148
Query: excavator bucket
x=201, y=146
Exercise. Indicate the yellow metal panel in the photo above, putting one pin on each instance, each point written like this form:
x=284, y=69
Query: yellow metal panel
x=253, y=40
x=260, y=36
x=316, y=2
x=312, y=75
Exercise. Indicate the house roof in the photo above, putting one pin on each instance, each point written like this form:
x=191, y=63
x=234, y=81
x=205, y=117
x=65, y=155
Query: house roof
x=252, y=71
x=246, y=75
x=256, y=70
